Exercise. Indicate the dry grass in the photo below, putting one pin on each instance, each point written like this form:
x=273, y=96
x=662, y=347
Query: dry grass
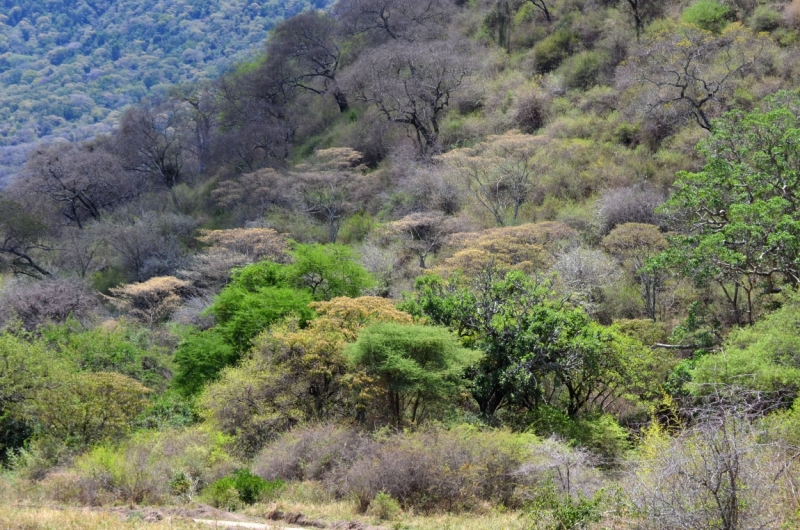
x=311, y=500
x=37, y=518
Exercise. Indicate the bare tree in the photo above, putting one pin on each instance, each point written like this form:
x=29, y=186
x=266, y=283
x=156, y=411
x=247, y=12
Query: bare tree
x=583, y=273
x=255, y=125
x=52, y=300
x=303, y=51
x=642, y=11
x=499, y=172
x=23, y=242
x=397, y=20
x=81, y=181
x=632, y=204
x=541, y=5
x=328, y=197
x=411, y=84
x=720, y=474
x=691, y=70
x=152, y=140
x=249, y=195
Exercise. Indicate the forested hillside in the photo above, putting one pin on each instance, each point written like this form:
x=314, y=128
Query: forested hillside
x=422, y=264
x=67, y=68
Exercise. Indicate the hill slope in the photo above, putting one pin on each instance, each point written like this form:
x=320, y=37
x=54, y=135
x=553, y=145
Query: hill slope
x=67, y=67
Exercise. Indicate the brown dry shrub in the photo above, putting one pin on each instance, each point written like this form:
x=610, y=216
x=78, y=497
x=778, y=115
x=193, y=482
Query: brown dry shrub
x=52, y=300
x=530, y=113
x=792, y=14
x=152, y=301
x=430, y=470
x=635, y=204
x=528, y=247
x=69, y=488
x=311, y=453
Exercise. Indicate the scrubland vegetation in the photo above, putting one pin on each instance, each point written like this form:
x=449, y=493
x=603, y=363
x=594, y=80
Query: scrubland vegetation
x=430, y=264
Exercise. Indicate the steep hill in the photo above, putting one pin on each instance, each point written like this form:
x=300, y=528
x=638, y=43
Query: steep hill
x=67, y=67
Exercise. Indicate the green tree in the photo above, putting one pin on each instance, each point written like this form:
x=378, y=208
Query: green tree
x=537, y=351
x=261, y=295
x=763, y=358
x=739, y=214
x=328, y=271
x=295, y=375
x=419, y=368
x=26, y=368
x=86, y=408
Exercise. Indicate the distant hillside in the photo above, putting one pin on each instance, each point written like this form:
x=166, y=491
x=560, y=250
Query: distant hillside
x=68, y=66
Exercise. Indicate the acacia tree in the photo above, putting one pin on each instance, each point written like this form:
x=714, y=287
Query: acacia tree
x=691, y=72
x=304, y=51
x=411, y=84
x=423, y=233
x=418, y=368
x=738, y=216
x=537, y=351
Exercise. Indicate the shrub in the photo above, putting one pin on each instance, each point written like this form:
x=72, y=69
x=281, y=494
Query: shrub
x=531, y=112
x=55, y=300
x=583, y=71
x=113, y=347
x=384, y=507
x=241, y=488
x=765, y=19
x=434, y=469
x=709, y=15
x=311, y=453
x=550, y=52
x=87, y=408
x=152, y=301
x=154, y=467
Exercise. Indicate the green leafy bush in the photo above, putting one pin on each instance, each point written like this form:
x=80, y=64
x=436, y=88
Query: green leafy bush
x=123, y=348
x=584, y=70
x=709, y=15
x=155, y=467
x=765, y=18
x=241, y=488
x=550, y=52
x=200, y=357
x=384, y=506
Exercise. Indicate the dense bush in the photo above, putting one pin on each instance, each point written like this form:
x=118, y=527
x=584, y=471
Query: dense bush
x=239, y=489
x=154, y=467
x=434, y=469
x=709, y=15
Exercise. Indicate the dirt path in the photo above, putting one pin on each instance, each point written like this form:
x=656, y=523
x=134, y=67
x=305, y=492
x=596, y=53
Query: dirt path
x=241, y=524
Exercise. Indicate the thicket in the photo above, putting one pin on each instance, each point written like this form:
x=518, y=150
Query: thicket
x=538, y=255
